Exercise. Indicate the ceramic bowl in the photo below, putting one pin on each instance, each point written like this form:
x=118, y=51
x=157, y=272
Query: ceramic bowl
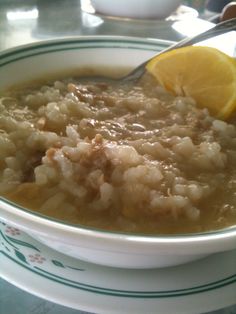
x=101, y=247
x=136, y=9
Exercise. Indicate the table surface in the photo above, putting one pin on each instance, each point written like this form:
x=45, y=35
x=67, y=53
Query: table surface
x=28, y=21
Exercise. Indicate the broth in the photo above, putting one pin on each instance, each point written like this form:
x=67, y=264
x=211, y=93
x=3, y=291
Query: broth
x=119, y=157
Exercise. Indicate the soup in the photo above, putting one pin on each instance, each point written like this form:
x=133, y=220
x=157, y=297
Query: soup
x=119, y=157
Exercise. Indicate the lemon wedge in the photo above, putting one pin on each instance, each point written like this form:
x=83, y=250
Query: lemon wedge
x=203, y=73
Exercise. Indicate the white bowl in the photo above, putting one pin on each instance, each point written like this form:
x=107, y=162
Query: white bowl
x=136, y=8
x=107, y=248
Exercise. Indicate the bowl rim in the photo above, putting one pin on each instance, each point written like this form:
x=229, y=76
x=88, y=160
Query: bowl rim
x=16, y=211
x=117, y=41
x=29, y=216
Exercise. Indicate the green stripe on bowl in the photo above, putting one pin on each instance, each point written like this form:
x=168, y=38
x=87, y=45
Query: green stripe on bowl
x=56, y=46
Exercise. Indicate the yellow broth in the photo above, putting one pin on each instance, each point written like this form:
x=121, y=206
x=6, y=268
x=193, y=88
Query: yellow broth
x=118, y=157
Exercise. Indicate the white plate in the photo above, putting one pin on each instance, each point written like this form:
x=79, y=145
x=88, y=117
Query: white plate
x=198, y=287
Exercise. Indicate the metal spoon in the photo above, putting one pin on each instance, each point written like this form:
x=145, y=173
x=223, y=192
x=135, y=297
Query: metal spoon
x=219, y=29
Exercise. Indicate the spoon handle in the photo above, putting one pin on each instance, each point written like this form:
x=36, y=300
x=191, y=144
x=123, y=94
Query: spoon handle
x=218, y=29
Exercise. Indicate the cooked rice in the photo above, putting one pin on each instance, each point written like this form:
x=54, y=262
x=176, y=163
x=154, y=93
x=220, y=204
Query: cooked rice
x=119, y=157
